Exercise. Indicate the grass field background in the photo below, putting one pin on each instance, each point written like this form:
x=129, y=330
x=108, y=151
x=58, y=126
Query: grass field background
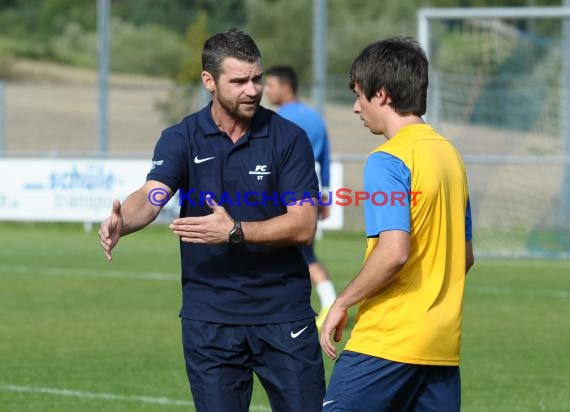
x=80, y=334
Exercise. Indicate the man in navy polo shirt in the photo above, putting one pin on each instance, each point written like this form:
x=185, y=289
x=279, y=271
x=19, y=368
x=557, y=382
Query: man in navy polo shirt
x=248, y=193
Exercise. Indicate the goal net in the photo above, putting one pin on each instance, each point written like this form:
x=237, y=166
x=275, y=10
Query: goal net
x=499, y=89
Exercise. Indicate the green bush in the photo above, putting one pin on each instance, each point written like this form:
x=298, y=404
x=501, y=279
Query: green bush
x=76, y=46
x=19, y=47
x=149, y=49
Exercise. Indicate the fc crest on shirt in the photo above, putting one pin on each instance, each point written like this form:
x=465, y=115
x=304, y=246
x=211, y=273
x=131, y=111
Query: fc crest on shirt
x=260, y=171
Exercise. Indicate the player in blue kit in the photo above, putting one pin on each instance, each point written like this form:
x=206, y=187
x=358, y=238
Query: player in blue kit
x=245, y=284
x=281, y=90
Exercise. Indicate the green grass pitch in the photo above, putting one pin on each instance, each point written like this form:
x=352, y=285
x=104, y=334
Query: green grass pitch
x=80, y=334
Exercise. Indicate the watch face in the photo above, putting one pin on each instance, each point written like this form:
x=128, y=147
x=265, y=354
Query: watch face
x=236, y=235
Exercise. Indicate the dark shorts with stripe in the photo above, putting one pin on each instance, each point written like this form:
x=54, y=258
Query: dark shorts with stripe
x=221, y=360
x=367, y=383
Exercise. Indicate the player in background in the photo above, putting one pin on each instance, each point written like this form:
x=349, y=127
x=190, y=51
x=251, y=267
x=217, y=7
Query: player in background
x=245, y=285
x=403, y=352
x=281, y=90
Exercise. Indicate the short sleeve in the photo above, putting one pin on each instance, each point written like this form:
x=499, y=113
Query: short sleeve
x=387, y=181
x=170, y=160
x=468, y=224
x=297, y=169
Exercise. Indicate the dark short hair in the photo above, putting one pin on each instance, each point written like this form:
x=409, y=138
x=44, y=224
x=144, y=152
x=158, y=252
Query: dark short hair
x=286, y=75
x=229, y=43
x=400, y=66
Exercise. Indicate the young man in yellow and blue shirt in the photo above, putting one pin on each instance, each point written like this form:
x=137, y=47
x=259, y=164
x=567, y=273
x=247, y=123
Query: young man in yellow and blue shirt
x=403, y=353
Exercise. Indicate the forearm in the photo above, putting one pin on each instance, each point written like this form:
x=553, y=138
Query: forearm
x=138, y=212
x=375, y=275
x=288, y=229
x=379, y=270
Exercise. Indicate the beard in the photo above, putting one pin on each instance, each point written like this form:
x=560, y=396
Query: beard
x=239, y=109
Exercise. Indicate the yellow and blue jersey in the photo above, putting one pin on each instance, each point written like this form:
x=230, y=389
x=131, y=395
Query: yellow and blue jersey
x=417, y=183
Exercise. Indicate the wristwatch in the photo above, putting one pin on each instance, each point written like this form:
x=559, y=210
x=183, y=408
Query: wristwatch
x=236, y=234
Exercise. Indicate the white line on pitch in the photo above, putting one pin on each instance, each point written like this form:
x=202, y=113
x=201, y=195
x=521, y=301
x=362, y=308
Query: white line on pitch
x=109, y=396
x=120, y=274
x=86, y=272
x=94, y=395
x=550, y=293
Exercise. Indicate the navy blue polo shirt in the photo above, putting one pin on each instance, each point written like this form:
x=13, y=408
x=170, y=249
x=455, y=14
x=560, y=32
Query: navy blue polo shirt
x=254, y=179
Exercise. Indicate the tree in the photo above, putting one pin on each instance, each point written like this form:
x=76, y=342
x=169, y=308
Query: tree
x=196, y=35
x=282, y=30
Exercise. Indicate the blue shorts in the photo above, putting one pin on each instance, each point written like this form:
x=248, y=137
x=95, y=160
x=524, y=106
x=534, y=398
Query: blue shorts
x=366, y=383
x=309, y=253
x=221, y=360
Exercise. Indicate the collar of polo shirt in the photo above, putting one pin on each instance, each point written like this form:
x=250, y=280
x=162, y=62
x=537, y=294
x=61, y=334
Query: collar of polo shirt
x=259, y=127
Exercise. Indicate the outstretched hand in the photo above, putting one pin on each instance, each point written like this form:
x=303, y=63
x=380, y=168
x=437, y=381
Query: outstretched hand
x=211, y=229
x=110, y=230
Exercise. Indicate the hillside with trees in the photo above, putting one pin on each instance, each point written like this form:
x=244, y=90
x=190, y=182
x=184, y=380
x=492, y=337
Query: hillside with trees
x=164, y=37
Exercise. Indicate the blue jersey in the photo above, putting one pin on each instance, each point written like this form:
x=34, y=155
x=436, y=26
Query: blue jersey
x=312, y=123
x=239, y=283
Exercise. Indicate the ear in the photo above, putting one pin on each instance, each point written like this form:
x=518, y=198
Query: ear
x=383, y=97
x=208, y=81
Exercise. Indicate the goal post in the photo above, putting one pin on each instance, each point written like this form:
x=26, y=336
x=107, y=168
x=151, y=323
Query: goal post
x=500, y=90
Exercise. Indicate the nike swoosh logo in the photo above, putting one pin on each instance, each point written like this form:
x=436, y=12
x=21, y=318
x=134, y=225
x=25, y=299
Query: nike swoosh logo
x=295, y=335
x=327, y=402
x=196, y=160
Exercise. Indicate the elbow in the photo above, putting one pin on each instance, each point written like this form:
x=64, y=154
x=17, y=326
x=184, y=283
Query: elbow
x=399, y=259
x=306, y=234
x=302, y=225
x=398, y=252
x=397, y=264
x=305, y=231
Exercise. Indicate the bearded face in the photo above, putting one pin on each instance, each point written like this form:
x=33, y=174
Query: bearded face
x=239, y=88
